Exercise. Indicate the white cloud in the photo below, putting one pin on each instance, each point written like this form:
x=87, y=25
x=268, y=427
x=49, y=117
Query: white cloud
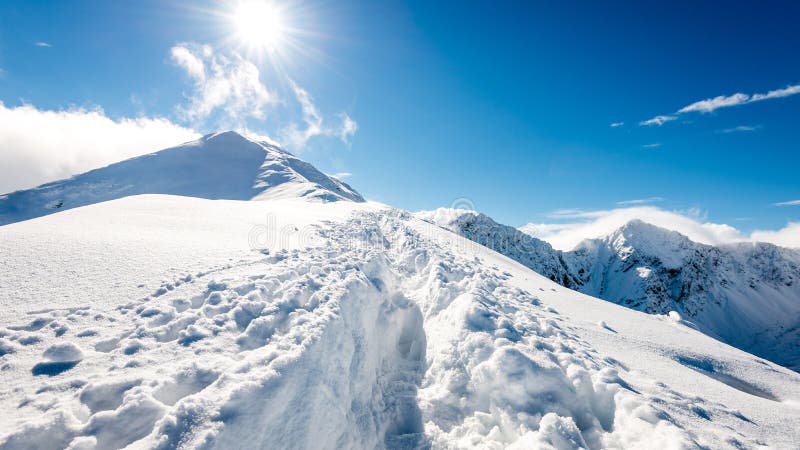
x=311, y=117
x=725, y=101
x=348, y=127
x=657, y=120
x=228, y=92
x=296, y=137
x=691, y=223
x=342, y=175
x=616, y=124
x=545, y=231
x=694, y=212
x=43, y=44
x=193, y=65
x=224, y=84
x=653, y=145
x=640, y=201
x=789, y=236
x=777, y=93
x=38, y=146
x=573, y=213
x=712, y=104
x=740, y=129
x=722, y=101
x=789, y=203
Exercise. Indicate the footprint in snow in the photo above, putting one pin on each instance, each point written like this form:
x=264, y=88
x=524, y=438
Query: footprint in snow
x=58, y=359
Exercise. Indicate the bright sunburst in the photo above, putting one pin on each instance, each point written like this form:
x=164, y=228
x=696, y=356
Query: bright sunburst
x=259, y=24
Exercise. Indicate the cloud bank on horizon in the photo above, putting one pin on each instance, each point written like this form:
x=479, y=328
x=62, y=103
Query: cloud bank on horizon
x=38, y=146
x=577, y=225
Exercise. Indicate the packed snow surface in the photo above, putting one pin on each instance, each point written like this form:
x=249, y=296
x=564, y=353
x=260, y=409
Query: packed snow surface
x=747, y=295
x=217, y=166
x=173, y=322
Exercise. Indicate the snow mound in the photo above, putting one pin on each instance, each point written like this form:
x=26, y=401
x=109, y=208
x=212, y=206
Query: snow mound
x=380, y=332
x=217, y=166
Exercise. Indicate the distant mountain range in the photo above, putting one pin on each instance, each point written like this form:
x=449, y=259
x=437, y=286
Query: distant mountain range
x=746, y=294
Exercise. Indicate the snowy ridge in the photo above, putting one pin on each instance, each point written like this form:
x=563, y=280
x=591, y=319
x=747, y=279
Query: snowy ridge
x=529, y=251
x=217, y=166
x=376, y=331
x=747, y=295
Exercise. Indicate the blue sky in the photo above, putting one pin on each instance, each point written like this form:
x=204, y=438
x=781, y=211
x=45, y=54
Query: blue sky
x=508, y=105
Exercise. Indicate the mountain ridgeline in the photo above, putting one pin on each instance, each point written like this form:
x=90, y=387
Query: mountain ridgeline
x=219, y=166
x=745, y=294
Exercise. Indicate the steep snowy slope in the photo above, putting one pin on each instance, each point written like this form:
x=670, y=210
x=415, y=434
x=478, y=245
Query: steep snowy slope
x=342, y=325
x=529, y=251
x=217, y=166
x=748, y=295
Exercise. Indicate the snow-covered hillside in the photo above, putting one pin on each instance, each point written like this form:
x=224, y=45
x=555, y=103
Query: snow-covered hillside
x=173, y=322
x=206, y=320
x=480, y=228
x=747, y=295
x=217, y=166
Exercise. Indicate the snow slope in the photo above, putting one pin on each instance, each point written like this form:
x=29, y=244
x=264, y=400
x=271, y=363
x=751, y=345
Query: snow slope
x=217, y=166
x=342, y=325
x=747, y=295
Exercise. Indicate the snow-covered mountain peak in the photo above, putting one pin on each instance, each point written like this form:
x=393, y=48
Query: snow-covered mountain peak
x=233, y=140
x=644, y=238
x=745, y=294
x=224, y=165
x=638, y=232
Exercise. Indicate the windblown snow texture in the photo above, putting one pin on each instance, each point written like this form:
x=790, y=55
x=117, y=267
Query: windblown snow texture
x=747, y=295
x=217, y=166
x=373, y=331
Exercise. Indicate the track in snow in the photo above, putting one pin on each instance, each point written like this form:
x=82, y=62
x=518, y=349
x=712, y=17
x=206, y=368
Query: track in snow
x=375, y=337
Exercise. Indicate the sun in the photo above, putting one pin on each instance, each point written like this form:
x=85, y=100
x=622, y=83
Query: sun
x=259, y=24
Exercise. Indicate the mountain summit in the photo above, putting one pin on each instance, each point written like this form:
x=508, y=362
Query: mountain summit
x=223, y=165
